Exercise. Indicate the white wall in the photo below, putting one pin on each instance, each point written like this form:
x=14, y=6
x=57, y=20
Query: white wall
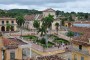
x=45, y=14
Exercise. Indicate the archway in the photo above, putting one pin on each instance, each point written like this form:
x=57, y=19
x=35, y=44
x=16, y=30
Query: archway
x=69, y=24
x=12, y=28
x=7, y=29
x=2, y=28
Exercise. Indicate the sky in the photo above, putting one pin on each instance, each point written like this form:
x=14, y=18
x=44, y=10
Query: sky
x=62, y=5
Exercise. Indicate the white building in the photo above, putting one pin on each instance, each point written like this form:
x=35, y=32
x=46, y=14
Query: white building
x=49, y=11
x=29, y=19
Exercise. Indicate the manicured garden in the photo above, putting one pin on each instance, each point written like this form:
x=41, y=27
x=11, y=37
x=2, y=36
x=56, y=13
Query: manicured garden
x=35, y=39
x=58, y=40
x=42, y=41
x=30, y=37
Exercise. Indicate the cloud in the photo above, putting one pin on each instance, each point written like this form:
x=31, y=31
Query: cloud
x=35, y=2
x=63, y=5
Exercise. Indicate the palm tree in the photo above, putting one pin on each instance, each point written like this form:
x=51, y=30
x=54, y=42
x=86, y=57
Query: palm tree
x=50, y=21
x=57, y=27
x=42, y=30
x=8, y=27
x=20, y=22
x=47, y=22
x=36, y=24
x=70, y=34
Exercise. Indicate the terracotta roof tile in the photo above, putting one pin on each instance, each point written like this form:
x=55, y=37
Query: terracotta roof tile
x=80, y=29
x=33, y=17
x=12, y=43
x=84, y=38
x=29, y=17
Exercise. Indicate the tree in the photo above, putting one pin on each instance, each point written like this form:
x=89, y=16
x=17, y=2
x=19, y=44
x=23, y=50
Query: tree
x=47, y=22
x=42, y=30
x=57, y=26
x=70, y=34
x=86, y=16
x=63, y=21
x=70, y=18
x=20, y=22
x=57, y=13
x=8, y=26
x=36, y=24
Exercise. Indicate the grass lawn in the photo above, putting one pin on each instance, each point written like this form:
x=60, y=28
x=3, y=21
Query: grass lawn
x=34, y=38
x=60, y=41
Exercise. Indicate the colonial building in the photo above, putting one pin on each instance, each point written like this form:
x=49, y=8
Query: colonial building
x=29, y=19
x=68, y=24
x=81, y=43
x=13, y=49
x=49, y=11
x=4, y=21
x=77, y=23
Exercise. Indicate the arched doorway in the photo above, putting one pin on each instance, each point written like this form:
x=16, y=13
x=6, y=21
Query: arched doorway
x=69, y=24
x=2, y=28
x=7, y=29
x=12, y=28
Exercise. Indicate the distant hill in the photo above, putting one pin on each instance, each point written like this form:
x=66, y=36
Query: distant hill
x=22, y=12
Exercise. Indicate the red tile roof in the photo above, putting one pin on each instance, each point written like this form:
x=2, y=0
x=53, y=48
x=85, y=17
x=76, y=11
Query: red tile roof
x=29, y=17
x=84, y=38
x=33, y=17
x=12, y=43
x=80, y=29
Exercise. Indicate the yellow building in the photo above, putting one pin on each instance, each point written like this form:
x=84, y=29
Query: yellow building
x=10, y=49
x=4, y=21
x=81, y=44
x=67, y=24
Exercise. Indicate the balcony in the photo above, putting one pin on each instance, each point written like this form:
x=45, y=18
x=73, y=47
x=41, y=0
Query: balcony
x=85, y=52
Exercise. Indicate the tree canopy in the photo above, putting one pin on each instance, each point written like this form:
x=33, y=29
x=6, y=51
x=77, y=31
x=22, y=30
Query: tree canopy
x=20, y=20
x=70, y=34
x=36, y=24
